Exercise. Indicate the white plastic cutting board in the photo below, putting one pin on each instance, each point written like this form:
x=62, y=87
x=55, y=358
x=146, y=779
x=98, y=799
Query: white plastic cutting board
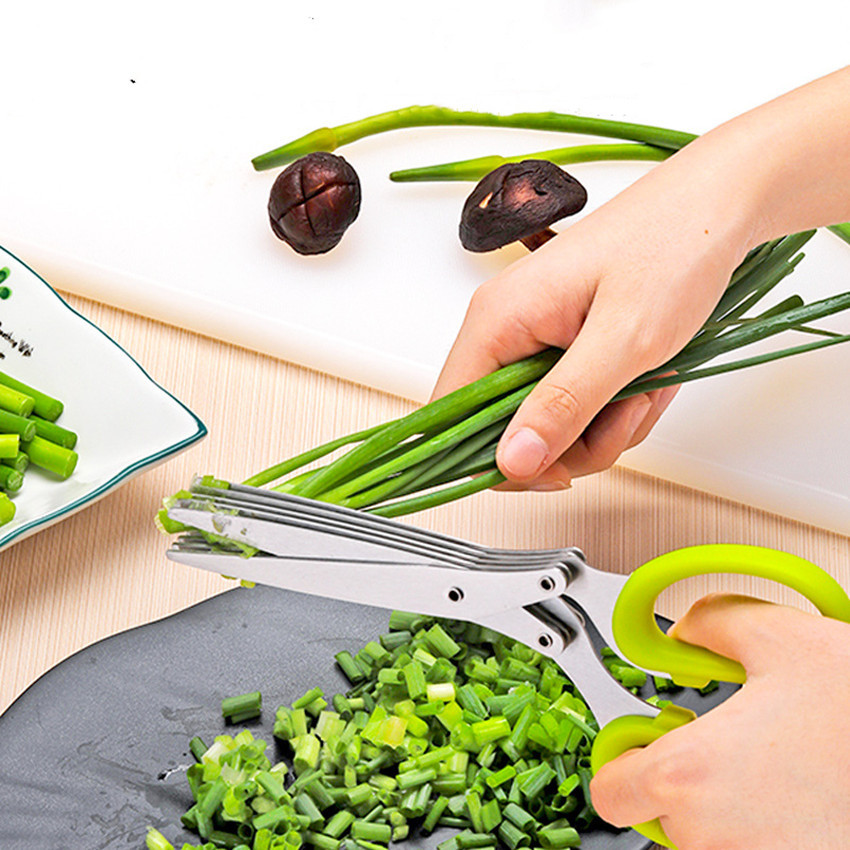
x=126, y=134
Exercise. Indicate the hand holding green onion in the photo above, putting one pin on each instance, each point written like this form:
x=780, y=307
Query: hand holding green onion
x=628, y=286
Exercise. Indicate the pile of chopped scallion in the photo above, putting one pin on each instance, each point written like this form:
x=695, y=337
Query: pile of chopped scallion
x=446, y=724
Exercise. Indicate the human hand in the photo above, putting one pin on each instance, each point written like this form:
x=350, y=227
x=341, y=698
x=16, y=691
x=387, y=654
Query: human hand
x=765, y=770
x=626, y=287
x=622, y=290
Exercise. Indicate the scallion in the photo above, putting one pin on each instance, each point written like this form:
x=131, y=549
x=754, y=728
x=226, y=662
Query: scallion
x=236, y=709
x=330, y=138
x=461, y=430
x=367, y=780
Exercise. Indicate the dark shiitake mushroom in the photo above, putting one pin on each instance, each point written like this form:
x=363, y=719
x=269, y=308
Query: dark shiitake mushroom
x=313, y=201
x=517, y=202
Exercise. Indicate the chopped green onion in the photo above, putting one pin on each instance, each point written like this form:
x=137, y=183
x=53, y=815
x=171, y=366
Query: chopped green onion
x=348, y=666
x=490, y=730
x=311, y=696
x=19, y=461
x=10, y=479
x=434, y=814
x=50, y=456
x=244, y=706
x=441, y=643
x=15, y=402
x=362, y=829
x=307, y=751
x=518, y=816
x=512, y=836
x=501, y=776
x=339, y=823
x=55, y=433
x=383, y=763
x=155, y=840
x=323, y=842
x=43, y=404
x=13, y=423
x=444, y=691
x=558, y=837
x=197, y=748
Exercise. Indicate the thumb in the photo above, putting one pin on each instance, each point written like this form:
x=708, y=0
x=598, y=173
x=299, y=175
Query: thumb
x=754, y=632
x=593, y=369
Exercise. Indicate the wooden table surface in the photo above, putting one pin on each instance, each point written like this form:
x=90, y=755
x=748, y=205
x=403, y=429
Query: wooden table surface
x=104, y=570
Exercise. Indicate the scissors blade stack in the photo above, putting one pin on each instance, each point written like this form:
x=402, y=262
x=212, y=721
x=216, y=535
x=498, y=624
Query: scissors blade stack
x=291, y=526
x=358, y=547
x=326, y=518
x=543, y=598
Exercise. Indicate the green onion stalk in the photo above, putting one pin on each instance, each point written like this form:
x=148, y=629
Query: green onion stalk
x=331, y=138
x=475, y=169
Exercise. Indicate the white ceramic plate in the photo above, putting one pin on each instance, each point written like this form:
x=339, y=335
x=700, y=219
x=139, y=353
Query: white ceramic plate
x=125, y=421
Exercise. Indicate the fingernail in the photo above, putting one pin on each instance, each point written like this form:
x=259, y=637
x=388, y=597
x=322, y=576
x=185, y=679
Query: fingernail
x=523, y=454
x=638, y=415
x=665, y=397
x=551, y=486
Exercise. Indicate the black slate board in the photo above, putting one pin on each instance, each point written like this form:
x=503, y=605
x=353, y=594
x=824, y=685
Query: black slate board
x=96, y=749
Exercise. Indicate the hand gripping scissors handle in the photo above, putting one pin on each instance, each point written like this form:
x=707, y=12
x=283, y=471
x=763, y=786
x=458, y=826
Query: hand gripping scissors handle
x=551, y=603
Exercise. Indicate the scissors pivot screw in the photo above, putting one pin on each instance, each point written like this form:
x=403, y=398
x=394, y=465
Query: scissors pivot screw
x=547, y=584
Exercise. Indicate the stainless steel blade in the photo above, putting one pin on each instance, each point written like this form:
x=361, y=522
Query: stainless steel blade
x=436, y=590
x=350, y=519
x=292, y=540
x=331, y=523
x=348, y=534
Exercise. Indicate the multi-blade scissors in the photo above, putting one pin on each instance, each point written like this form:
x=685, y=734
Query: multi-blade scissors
x=551, y=600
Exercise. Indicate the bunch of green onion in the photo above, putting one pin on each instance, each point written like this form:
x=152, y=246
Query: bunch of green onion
x=446, y=725
x=446, y=449
x=29, y=435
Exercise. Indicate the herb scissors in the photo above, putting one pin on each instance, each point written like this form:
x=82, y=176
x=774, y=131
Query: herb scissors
x=552, y=599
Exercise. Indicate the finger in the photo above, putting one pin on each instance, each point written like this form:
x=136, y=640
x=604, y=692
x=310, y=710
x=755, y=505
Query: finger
x=594, y=368
x=556, y=477
x=607, y=437
x=754, y=632
x=618, y=426
x=516, y=314
x=603, y=442
x=660, y=402
x=619, y=789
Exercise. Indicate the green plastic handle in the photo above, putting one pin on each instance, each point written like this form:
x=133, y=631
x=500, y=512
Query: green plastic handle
x=643, y=643
x=628, y=732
